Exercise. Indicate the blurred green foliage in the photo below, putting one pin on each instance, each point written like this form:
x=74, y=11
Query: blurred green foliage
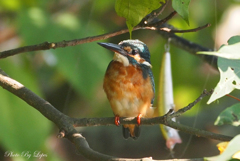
x=21, y=125
x=71, y=78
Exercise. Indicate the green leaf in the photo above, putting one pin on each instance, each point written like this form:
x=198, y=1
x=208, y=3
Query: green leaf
x=228, y=67
x=230, y=51
x=229, y=78
x=233, y=40
x=181, y=7
x=232, y=148
x=134, y=10
x=231, y=115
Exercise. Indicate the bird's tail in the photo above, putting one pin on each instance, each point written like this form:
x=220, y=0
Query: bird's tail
x=131, y=130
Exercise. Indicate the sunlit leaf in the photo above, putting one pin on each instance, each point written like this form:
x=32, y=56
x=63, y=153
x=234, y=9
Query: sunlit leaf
x=181, y=7
x=230, y=51
x=231, y=115
x=230, y=152
x=229, y=68
x=226, y=51
x=229, y=78
x=134, y=10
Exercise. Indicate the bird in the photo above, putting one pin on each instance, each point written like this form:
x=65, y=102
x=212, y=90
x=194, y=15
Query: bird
x=129, y=83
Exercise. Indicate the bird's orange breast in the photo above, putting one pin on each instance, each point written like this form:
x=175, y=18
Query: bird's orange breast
x=127, y=91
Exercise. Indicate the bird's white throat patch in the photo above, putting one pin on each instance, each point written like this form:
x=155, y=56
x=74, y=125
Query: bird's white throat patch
x=121, y=58
x=147, y=64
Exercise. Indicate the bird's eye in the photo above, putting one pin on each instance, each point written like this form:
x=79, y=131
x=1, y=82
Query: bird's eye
x=134, y=52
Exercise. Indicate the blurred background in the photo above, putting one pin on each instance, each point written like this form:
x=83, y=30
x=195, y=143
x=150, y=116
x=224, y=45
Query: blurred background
x=71, y=78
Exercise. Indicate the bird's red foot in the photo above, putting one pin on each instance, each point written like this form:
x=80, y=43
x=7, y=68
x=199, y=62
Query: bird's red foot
x=117, y=120
x=139, y=119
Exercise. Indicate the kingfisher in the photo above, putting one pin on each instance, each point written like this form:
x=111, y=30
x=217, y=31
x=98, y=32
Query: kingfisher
x=129, y=83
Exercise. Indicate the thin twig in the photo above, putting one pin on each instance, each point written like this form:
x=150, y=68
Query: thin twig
x=233, y=97
x=166, y=29
x=159, y=23
x=162, y=8
x=191, y=30
x=197, y=132
x=61, y=44
x=150, y=17
x=188, y=107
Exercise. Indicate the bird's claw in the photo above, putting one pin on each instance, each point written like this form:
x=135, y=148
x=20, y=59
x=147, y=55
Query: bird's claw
x=139, y=119
x=117, y=120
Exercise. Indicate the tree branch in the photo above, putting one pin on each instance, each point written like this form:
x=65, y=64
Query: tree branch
x=63, y=122
x=184, y=31
x=155, y=21
x=154, y=24
x=188, y=107
x=166, y=120
x=163, y=31
x=152, y=16
x=62, y=44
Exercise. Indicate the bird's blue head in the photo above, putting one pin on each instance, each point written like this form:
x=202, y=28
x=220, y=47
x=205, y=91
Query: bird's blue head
x=135, y=51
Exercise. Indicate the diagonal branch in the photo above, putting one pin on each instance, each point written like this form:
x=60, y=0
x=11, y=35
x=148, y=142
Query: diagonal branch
x=62, y=44
x=156, y=22
x=188, y=107
x=183, y=31
x=165, y=30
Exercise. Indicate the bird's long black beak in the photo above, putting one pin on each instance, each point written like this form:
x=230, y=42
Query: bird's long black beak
x=114, y=47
